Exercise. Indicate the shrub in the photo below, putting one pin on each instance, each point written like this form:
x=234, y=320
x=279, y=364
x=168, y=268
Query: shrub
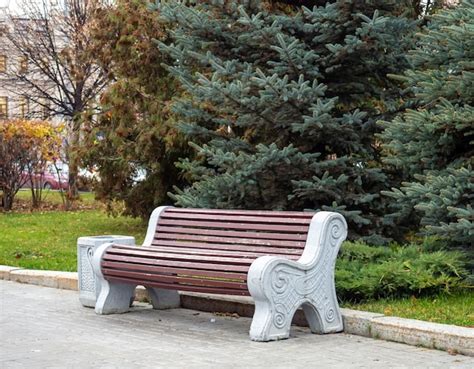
x=85, y=183
x=25, y=147
x=366, y=272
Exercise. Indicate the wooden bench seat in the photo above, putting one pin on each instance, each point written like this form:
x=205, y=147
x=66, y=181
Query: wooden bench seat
x=226, y=252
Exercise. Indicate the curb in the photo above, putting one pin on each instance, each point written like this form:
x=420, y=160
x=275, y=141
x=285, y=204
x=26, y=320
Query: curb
x=451, y=338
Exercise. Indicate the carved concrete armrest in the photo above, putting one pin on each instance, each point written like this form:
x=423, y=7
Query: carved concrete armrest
x=280, y=286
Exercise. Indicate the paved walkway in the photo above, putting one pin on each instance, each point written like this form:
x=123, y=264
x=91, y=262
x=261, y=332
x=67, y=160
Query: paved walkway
x=48, y=328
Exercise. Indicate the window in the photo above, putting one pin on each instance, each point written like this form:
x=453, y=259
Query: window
x=3, y=64
x=24, y=107
x=23, y=65
x=3, y=107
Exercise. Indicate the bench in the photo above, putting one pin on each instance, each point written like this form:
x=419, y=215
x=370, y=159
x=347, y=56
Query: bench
x=284, y=260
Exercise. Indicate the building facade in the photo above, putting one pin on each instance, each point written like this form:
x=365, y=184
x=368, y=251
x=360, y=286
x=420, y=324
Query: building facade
x=15, y=101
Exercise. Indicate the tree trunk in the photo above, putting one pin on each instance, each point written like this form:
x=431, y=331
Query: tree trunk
x=36, y=187
x=8, y=200
x=34, y=198
x=73, y=193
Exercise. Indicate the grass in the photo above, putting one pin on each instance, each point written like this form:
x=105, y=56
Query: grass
x=47, y=240
x=456, y=308
x=54, y=197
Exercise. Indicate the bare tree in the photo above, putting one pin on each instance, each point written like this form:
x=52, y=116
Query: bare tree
x=56, y=70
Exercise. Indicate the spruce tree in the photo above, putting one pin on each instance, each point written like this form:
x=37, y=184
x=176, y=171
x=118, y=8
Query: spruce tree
x=432, y=143
x=281, y=103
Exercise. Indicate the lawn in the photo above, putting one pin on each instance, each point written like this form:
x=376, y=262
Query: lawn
x=456, y=308
x=47, y=240
x=54, y=198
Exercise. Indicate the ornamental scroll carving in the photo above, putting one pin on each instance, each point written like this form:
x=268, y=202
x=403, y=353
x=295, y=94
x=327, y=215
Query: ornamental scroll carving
x=292, y=286
x=285, y=285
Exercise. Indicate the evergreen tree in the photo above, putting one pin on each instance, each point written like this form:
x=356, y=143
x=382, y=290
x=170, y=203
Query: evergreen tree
x=281, y=103
x=432, y=143
x=132, y=141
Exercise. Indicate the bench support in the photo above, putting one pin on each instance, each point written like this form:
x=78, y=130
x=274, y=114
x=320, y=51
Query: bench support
x=163, y=299
x=280, y=286
x=118, y=297
x=114, y=297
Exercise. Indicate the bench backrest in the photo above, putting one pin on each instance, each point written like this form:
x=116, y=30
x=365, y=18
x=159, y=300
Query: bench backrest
x=233, y=231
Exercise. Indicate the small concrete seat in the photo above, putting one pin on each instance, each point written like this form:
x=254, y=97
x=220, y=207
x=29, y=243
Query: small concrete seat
x=284, y=260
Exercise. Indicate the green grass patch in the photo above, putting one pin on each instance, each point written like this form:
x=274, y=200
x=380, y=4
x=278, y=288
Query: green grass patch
x=47, y=240
x=456, y=308
x=54, y=197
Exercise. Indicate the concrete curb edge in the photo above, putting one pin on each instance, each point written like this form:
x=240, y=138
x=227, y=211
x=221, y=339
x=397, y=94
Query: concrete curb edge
x=445, y=337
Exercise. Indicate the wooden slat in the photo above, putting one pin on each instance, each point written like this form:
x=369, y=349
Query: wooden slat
x=176, y=280
x=195, y=258
x=188, y=249
x=236, y=218
x=294, y=214
x=182, y=287
x=235, y=236
x=230, y=247
x=229, y=225
x=219, y=236
x=183, y=271
x=181, y=264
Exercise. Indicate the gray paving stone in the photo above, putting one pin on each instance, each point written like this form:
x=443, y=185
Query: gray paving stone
x=43, y=327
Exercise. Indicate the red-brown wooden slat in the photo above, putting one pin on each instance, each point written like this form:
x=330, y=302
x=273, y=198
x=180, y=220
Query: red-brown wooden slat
x=182, y=287
x=243, y=212
x=229, y=225
x=183, y=271
x=250, y=238
x=206, y=251
x=182, y=264
x=183, y=257
x=230, y=247
x=263, y=236
x=177, y=280
x=236, y=218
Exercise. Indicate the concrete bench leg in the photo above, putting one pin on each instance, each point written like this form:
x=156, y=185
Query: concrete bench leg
x=331, y=322
x=271, y=321
x=163, y=299
x=281, y=290
x=280, y=286
x=114, y=297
